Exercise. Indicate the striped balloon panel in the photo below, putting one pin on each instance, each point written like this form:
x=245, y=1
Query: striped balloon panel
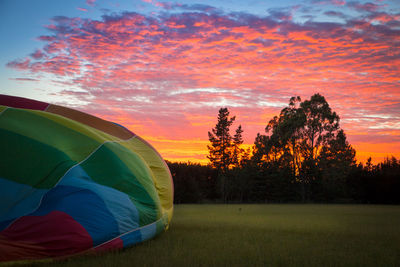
x=72, y=183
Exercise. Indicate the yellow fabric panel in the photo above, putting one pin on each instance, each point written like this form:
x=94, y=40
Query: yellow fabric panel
x=92, y=121
x=161, y=175
x=2, y=108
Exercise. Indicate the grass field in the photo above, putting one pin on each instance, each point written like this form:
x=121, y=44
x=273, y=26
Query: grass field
x=267, y=235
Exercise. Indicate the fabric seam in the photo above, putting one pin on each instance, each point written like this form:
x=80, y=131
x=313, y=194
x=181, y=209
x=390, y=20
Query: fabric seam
x=131, y=231
x=59, y=180
x=1, y=113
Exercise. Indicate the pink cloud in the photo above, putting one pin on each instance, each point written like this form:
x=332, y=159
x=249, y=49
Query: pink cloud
x=38, y=54
x=90, y=2
x=20, y=64
x=329, y=2
x=82, y=9
x=166, y=76
x=339, y=2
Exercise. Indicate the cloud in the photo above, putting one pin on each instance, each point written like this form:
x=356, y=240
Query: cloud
x=82, y=9
x=24, y=79
x=90, y=2
x=366, y=7
x=280, y=14
x=158, y=73
x=335, y=14
x=20, y=64
x=328, y=2
x=198, y=7
x=339, y=2
x=38, y=54
x=384, y=18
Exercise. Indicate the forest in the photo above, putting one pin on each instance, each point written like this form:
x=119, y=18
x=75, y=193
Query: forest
x=303, y=157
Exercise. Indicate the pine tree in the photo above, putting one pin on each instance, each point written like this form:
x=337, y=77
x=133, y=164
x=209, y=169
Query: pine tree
x=224, y=151
x=220, y=150
x=237, y=151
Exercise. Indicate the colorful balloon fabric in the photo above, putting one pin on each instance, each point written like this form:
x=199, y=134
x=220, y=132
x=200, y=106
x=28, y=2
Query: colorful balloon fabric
x=73, y=183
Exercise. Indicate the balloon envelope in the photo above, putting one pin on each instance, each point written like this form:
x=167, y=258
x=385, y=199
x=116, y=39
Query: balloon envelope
x=72, y=183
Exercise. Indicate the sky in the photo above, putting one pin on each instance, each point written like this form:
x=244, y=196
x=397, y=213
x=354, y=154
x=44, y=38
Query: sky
x=164, y=69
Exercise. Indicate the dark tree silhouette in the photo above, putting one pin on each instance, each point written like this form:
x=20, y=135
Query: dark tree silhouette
x=295, y=140
x=335, y=163
x=224, y=150
x=220, y=150
x=304, y=155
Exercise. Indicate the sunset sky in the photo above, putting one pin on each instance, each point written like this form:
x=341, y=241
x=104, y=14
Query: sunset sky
x=163, y=69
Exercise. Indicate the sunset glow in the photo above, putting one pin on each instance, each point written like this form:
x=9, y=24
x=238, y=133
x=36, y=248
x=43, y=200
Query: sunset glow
x=163, y=69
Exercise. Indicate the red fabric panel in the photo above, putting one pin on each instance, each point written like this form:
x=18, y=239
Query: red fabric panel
x=35, y=237
x=20, y=102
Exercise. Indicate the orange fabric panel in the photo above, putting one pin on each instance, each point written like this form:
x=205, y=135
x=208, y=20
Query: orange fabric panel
x=92, y=121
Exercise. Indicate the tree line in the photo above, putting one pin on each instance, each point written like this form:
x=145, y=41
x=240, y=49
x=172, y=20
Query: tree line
x=303, y=156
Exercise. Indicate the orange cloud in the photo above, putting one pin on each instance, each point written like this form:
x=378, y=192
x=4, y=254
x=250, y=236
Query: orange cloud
x=166, y=76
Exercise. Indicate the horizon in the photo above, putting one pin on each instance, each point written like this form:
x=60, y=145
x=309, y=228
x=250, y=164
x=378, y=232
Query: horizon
x=163, y=69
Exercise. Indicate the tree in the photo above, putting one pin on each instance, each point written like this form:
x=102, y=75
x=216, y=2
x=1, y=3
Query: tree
x=237, y=151
x=221, y=142
x=224, y=150
x=289, y=129
x=295, y=139
x=319, y=126
x=335, y=162
x=193, y=183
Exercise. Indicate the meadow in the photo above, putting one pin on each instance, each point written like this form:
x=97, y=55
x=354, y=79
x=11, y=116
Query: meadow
x=266, y=235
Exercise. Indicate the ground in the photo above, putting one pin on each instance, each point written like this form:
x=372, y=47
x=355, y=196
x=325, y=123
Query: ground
x=267, y=235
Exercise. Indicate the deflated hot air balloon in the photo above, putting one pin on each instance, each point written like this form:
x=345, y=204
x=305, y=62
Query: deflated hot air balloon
x=72, y=183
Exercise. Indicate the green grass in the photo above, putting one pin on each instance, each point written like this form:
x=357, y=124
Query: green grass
x=266, y=235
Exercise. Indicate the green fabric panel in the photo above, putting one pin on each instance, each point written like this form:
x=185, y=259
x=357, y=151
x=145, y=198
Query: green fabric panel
x=116, y=166
x=160, y=172
x=20, y=161
x=55, y=132
x=148, y=212
x=79, y=127
x=143, y=175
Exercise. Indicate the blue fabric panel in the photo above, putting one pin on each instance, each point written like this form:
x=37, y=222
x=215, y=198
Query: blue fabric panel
x=85, y=207
x=148, y=231
x=17, y=199
x=117, y=202
x=131, y=238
